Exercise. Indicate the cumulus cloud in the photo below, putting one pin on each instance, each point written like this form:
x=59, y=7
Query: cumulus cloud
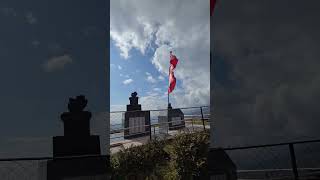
x=272, y=59
x=127, y=81
x=119, y=67
x=161, y=78
x=185, y=31
x=150, y=78
x=157, y=89
x=57, y=62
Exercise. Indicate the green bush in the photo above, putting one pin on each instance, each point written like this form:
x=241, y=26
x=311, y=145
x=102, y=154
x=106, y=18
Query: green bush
x=142, y=160
x=183, y=157
x=188, y=155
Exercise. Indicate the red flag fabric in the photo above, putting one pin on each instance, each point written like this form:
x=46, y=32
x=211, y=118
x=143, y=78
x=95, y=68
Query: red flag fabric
x=172, y=79
x=173, y=60
x=212, y=4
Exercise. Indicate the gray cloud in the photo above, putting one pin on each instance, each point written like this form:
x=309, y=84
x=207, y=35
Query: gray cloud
x=57, y=62
x=272, y=52
x=31, y=19
x=8, y=11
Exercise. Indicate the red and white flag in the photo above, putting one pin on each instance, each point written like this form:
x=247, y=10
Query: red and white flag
x=172, y=79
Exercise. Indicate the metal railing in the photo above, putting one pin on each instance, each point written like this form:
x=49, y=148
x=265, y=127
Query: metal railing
x=33, y=168
x=195, y=119
x=295, y=160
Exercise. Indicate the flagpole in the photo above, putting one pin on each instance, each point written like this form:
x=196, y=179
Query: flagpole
x=169, y=85
x=169, y=82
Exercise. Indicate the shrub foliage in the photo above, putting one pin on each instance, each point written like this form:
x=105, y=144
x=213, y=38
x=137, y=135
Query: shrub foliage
x=182, y=157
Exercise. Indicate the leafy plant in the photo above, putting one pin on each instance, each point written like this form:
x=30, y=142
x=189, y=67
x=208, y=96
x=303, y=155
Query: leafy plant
x=182, y=157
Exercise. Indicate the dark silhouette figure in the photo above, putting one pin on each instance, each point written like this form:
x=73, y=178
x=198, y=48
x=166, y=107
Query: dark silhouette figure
x=77, y=139
x=134, y=105
x=134, y=99
x=76, y=117
x=77, y=153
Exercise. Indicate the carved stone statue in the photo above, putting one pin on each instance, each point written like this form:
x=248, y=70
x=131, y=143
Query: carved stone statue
x=77, y=104
x=76, y=121
x=134, y=94
x=134, y=99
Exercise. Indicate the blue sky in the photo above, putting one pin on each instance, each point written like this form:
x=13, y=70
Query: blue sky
x=142, y=35
x=141, y=74
x=134, y=68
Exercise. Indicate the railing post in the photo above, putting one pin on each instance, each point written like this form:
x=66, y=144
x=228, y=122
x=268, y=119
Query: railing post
x=150, y=131
x=293, y=162
x=192, y=124
x=204, y=126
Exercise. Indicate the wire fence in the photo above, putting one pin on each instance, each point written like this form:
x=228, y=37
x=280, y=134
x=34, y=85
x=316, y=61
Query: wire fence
x=161, y=125
x=294, y=160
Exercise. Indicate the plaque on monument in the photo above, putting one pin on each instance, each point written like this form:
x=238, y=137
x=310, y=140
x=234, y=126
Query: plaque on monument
x=136, y=121
x=175, y=118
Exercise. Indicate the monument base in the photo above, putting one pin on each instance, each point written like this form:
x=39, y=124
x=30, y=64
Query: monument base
x=78, y=168
x=220, y=165
x=70, y=146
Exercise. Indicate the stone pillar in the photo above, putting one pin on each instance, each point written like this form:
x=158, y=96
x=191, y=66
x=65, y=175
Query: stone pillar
x=136, y=121
x=76, y=141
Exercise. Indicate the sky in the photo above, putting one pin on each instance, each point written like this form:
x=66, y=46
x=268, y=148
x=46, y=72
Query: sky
x=265, y=72
x=142, y=33
x=50, y=51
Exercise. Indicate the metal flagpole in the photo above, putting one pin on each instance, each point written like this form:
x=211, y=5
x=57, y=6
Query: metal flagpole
x=169, y=79
x=168, y=85
x=168, y=96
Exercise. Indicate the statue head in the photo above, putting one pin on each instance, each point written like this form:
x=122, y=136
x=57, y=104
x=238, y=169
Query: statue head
x=77, y=104
x=134, y=94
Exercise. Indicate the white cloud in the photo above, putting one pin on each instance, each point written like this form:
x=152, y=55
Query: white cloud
x=186, y=32
x=119, y=67
x=161, y=78
x=157, y=89
x=117, y=107
x=31, y=19
x=127, y=81
x=57, y=62
x=153, y=102
x=112, y=65
x=151, y=79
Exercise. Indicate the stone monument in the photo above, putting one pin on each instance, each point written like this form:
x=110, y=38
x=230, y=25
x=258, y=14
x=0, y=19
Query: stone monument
x=175, y=118
x=136, y=121
x=77, y=141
